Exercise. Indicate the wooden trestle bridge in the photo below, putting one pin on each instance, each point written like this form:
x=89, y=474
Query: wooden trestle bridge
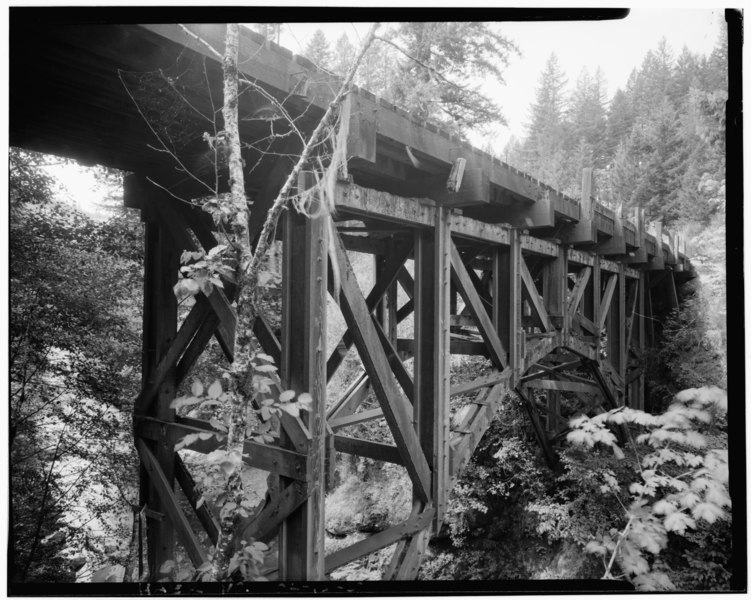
x=559, y=294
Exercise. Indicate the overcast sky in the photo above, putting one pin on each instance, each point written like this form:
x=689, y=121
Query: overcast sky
x=616, y=46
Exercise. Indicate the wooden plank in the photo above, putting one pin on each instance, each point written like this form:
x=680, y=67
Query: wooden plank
x=389, y=272
x=170, y=506
x=380, y=540
x=461, y=279
x=407, y=282
x=539, y=214
x=633, y=296
x=265, y=336
x=474, y=191
x=368, y=449
x=582, y=279
x=260, y=456
x=606, y=300
x=264, y=526
x=195, y=319
x=203, y=512
x=474, y=426
x=360, y=201
x=580, y=257
x=534, y=352
x=535, y=245
x=563, y=386
x=462, y=321
x=227, y=322
x=471, y=229
x=581, y=348
x=397, y=367
x=410, y=562
x=351, y=399
x=533, y=297
x=457, y=346
x=480, y=382
x=356, y=418
x=610, y=265
x=197, y=346
x=395, y=408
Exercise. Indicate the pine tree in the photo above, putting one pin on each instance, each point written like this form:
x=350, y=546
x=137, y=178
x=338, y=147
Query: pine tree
x=318, y=49
x=544, y=146
x=437, y=79
x=344, y=54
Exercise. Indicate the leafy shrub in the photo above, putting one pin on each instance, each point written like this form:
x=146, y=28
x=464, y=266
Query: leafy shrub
x=678, y=483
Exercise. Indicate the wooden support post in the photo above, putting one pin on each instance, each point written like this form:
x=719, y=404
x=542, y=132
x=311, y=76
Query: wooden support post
x=159, y=330
x=639, y=256
x=303, y=369
x=386, y=309
x=615, y=322
x=555, y=287
x=432, y=353
x=617, y=243
x=640, y=400
x=585, y=231
x=507, y=300
x=534, y=216
x=658, y=262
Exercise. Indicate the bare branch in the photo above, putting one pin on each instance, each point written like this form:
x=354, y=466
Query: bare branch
x=281, y=201
x=200, y=40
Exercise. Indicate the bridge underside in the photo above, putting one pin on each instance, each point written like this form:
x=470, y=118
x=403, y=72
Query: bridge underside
x=559, y=295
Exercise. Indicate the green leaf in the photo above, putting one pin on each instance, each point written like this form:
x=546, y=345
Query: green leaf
x=216, y=250
x=663, y=507
x=217, y=424
x=265, y=357
x=707, y=511
x=265, y=413
x=305, y=400
x=206, y=287
x=215, y=390
x=190, y=286
x=286, y=396
x=678, y=522
x=265, y=368
x=291, y=408
x=205, y=436
x=197, y=388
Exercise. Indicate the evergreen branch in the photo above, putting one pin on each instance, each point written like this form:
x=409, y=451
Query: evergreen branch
x=424, y=65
